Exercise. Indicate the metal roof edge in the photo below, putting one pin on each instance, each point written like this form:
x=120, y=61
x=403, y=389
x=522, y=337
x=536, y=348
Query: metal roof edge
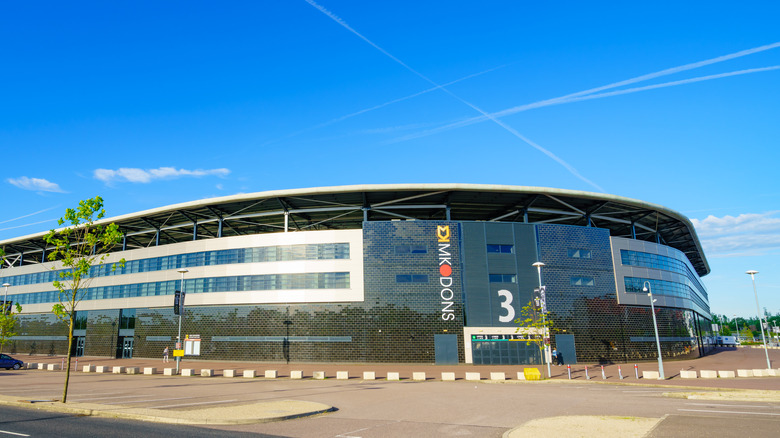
x=398, y=187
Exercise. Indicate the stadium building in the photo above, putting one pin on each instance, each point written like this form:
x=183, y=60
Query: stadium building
x=410, y=273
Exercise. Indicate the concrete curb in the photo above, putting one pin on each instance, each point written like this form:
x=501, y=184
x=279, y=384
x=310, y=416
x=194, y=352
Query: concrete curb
x=267, y=412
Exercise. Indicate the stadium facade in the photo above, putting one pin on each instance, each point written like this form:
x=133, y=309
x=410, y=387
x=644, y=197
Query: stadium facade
x=411, y=273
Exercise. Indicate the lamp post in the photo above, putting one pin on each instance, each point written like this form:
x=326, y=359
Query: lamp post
x=182, y=271
x=646, y=288
x=5, y=300
x=538, y=266
x=752, y=274
x=5, y=306
x=737, y=324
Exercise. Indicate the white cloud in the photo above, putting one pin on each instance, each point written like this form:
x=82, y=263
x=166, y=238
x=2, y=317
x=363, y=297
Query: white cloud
x=135, y=175
x=752, y=233
x=35, y=184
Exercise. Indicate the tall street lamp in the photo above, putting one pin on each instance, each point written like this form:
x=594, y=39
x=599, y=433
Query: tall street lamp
x=646, y=288
x=5, y=300
x=538, y=266
x=182, y=271
x=5, y=306
x=758, y=311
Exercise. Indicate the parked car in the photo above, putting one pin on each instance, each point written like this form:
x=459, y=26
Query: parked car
x=9, y=362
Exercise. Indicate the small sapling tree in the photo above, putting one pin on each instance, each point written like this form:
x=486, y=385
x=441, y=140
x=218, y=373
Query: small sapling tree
x=536, y=324
x=77, y=247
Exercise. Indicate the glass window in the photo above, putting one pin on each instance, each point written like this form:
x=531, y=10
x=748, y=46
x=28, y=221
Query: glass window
x=582, y=281
x=500, y=249
x=411, y=249
x=578, y=253
x=411, y=278
x=502, y=278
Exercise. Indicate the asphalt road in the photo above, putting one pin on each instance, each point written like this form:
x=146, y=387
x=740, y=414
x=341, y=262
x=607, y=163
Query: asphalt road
x=16, y=422
x=377, y=408
x=440, y=409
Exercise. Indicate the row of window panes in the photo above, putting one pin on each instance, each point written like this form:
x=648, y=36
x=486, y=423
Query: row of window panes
x=582, y=281
x=411, y=249
x=500, y=249
x=502, y=278
x=656, y=261
x=240, y=283
x=666, y=288
x=320, y=251
x=578, y=253
x=411, y=278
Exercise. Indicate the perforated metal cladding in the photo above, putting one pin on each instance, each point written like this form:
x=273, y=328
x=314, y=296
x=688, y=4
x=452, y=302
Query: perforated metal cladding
x=603, y=330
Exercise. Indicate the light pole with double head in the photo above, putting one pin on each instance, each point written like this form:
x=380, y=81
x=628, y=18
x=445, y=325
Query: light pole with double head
x=538, y=266
x=752, y=274
x=5, y=300
x=182, y=271
x=646, y=288
x=5, y=306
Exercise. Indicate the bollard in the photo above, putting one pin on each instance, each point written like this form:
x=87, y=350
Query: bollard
x=568, y=367
x=76, y=368
x=603, y=377
x=62, y=365
x=620, y=373
x=587, y=377
x=636, y=371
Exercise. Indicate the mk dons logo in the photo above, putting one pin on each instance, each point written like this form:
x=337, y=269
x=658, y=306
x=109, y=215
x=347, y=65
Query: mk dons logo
x=445, y=272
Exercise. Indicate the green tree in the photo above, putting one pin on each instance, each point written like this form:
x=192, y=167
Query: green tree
x=536, y=324
x=77, y=247
x=8, y=320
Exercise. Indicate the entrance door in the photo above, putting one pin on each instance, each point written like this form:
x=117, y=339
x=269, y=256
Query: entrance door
x=80, y=341
x=127, y=348
x=446, y=349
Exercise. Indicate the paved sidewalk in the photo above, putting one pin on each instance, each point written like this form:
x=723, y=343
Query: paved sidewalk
x=726, y=358
x=256, y=411
x=235, y=414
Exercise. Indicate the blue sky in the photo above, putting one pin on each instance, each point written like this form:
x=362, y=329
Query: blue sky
x=153, y=103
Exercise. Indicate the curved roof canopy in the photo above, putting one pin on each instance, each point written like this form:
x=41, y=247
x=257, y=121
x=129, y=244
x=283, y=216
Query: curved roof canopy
x=346, y=207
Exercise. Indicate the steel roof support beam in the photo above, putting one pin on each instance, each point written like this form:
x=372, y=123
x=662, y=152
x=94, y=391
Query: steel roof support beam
x=409, y=198
x=394, y=214
x=566, y=204
x=327, y=220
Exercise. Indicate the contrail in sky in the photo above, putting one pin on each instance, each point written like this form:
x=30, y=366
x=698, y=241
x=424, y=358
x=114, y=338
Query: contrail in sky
x=564, y=99
x=381, y=105
x=474, y=107
x=579, y=97
x=27, y=225
x=28, y=215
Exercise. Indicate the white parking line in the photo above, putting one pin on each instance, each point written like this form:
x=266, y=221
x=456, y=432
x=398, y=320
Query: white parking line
x=732, y=406
x=727, y=412
x=645, y=390
x=146, y=401
x=191, y=404
x=108, y=398
x=12, y=433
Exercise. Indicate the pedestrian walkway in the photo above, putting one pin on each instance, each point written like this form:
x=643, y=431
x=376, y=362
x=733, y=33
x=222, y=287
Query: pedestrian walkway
x=722, y=359
x=249, y=411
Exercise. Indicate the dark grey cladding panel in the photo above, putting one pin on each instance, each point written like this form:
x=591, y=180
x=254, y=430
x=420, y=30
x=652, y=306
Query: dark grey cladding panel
x=485, y=305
